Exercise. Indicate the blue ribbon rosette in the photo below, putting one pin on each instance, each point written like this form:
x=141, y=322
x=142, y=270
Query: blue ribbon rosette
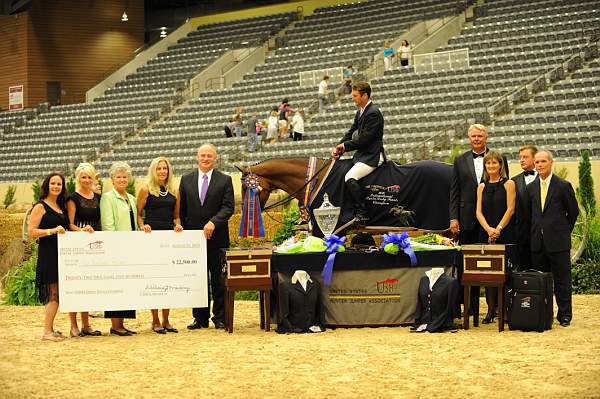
x=332, y=243
x=392, y=243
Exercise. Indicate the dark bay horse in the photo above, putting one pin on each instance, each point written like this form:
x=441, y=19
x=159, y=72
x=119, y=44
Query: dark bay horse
x=393, y=192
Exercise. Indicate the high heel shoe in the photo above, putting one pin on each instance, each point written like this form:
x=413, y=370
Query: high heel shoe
x=489, y=318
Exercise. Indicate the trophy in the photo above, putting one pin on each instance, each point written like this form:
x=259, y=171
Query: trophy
x=327, y=216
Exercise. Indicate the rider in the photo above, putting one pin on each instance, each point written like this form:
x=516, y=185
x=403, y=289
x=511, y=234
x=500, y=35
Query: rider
x=366, y=138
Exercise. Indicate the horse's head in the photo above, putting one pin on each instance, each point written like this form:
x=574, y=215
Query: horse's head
x=264, y=186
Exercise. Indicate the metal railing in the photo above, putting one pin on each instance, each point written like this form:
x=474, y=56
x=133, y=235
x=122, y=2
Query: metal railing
x=441, y=60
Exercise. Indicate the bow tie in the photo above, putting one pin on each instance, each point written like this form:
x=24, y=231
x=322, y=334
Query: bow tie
x=529, y=173
x=475, y=156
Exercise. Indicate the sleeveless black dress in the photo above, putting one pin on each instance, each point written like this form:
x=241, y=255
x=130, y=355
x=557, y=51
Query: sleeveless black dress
x=46, y=272
x=87, y=211
x=159, y=211
x=493, y=207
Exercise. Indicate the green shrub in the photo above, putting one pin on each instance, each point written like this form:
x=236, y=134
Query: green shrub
x=585, y=191
x=592, y=246
x=290, y=217
x=456, y=151
x=9, y=198
x=586, y=277
x=20, y=288
x=246, y=296
x=36, y=187
x=131, y=186
x=71, y=184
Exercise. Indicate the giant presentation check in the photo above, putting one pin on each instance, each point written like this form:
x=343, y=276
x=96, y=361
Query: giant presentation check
x=120, y=270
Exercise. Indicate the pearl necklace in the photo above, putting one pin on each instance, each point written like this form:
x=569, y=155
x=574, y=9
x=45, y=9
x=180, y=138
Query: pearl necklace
x=162, y=193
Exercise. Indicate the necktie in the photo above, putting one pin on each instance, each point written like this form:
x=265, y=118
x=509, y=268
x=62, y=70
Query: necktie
x=203, y=189
x=544, y=193
x=529, y=173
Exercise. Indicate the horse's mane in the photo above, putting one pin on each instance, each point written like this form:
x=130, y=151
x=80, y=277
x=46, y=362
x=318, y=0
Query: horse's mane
x=278, y=159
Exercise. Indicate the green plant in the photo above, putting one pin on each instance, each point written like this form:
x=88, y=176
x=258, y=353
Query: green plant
x=131, y=186
x=9, y=197
x=586, y=277
x=71, y=184
x=562, y=172
x=36, y=187
x=20, y=288
x=585, y=191
x=286, y=230
x=246, y=296
x=592, y=246
x=456, y=150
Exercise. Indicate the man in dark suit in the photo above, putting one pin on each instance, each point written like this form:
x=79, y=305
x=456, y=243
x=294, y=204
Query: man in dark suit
x=522, y=253
x=467, y=173
x=206, y=202
x=366, y=138
x=553, y=210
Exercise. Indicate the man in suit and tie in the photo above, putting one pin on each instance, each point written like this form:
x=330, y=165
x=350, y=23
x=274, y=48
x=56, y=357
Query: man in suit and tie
x=522, y=253
x=467, y=173
x=206, y=202
x=553, y=210
x=366, y=138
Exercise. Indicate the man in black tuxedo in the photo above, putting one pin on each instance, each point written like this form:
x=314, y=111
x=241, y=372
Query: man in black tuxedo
x=467, y=173
x=522, y=254
x=206, y=202
x=366, y=138
x=553, y=210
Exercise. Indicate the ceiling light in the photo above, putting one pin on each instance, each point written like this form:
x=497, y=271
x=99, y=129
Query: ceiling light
x=163, y=32
x=124, y=17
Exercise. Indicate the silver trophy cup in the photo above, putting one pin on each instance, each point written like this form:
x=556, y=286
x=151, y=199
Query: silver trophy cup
x=327, y=216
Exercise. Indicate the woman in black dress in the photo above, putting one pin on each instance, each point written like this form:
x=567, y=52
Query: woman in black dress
x=83, y=207
x=49, y=218
x=496, y=198
x=157, y=200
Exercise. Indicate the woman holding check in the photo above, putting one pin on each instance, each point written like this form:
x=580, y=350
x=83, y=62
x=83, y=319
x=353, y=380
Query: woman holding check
x=157, y=198
x=118, y=213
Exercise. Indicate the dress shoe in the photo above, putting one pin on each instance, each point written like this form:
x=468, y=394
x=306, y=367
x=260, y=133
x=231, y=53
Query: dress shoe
x=129, y=331
x=124, y=333
x=219, y=325
x=489, y=318
x=197, y=324
x=565, y=323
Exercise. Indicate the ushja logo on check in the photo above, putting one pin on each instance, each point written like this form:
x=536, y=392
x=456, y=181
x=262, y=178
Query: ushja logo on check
x=386, y=286
x=95, y=245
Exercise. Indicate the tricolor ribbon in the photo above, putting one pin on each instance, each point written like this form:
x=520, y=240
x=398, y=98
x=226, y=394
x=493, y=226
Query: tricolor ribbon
x=400, y=241
x=332, y=243
x=251, y=223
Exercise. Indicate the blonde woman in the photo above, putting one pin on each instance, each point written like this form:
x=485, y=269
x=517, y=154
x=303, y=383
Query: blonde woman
x=83, y=208
x=118, y=213
x=157, y=198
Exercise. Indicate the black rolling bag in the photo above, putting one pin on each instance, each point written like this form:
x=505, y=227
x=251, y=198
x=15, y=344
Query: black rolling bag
x=530, y=301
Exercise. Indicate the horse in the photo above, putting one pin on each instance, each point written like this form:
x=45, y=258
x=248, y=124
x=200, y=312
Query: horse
x=395, y=194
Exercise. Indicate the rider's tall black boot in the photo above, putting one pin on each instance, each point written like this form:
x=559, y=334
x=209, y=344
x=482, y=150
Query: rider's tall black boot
x=356, y=192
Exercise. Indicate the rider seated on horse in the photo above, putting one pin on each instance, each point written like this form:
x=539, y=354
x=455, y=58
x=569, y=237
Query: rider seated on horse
x=366, y=138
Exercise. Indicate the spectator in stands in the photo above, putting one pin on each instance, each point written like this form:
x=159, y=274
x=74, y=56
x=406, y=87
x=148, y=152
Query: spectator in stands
x=83, y=208
x=157, y=199
x=118, y=213
x=272, y=128
x=366, y=138
x=553, y=207
x=323, y=92
x=49, y=218
x=348, y=73
x=388, y=55
x=405, y=51
x=236, y=121
x=496, y=197
x=522, y=255
x=284, y=120
x=298, y=125
x=252, y=133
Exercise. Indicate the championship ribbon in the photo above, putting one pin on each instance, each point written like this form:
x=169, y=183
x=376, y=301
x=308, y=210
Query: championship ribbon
x=332, y=243
x=393, y=242
x=251, y=223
